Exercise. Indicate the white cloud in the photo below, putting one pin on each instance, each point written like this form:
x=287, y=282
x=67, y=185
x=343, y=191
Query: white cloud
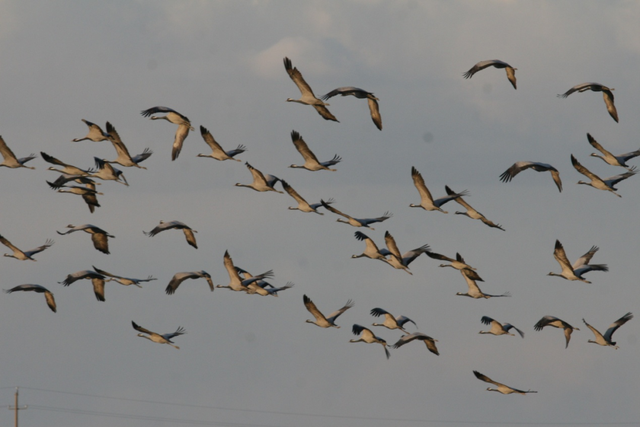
x=304, y=54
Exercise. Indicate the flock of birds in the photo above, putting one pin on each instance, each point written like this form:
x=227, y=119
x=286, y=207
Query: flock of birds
x=82, y=182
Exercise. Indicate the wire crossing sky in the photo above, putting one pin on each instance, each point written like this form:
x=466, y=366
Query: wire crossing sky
x=252, y=359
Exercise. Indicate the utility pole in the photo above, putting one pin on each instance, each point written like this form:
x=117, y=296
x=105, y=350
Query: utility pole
x=16, y=408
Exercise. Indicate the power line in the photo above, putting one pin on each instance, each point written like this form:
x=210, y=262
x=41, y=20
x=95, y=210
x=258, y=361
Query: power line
x=233, y=424
x=351, y=417
x=145, y=417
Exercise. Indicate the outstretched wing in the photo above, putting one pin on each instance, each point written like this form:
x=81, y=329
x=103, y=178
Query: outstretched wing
x=297, y=78
x=597, y=146
x=584, y=259
x=332, y=209
x=311, y=307
x=333, y=316
x=325, y=113
x=485, y=378
x=158, y=109
x=614, y=327
x=584, y=171
x=179, y=331
x=375, y=112
x=302, y=147
x=607, y=95
x=391, y=245
x=140, y=328
x=418, y=181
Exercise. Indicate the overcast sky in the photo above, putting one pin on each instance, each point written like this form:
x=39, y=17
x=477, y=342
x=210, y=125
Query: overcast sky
x=248, y=360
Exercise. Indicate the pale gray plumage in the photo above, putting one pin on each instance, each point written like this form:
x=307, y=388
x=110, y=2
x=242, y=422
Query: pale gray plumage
x=263, y=288
x=393, y=257
x=67, y=168
x=172, y=116
x=126, y=281
x=419, y=336
x=518, y=167
x=607, y=184
x=88, y=193
x=157, y=338
x=97, y=280
x=168, y=225
x=65, y=178
x=374, y=109
x=606, y=339
x=51, y=302
x=556, y=323
x=307, y=96
x=99, y=237
x=356, y=222
x=24, y=255
x=178, y=278
x=427, y=202
x=96, y=134
x=350, y=90
x=607, y=95
x=474, y=291
x=236, y=283
x=502, y=388
x=107, y=172
x=217, y=152
x=511, y=72
x=619, y=160
x=579, y=268
x=322, y=320
x=261, y=182
x=303, y=205
x=368, y=337
x=311, y=162
x=471, y=212
x=390, y=322
x=458, y=263
x=498, y=328
x=124, y=158
x=371, y=249
x=10, y=160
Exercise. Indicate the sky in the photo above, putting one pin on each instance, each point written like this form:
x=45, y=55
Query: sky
x=248, y=360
